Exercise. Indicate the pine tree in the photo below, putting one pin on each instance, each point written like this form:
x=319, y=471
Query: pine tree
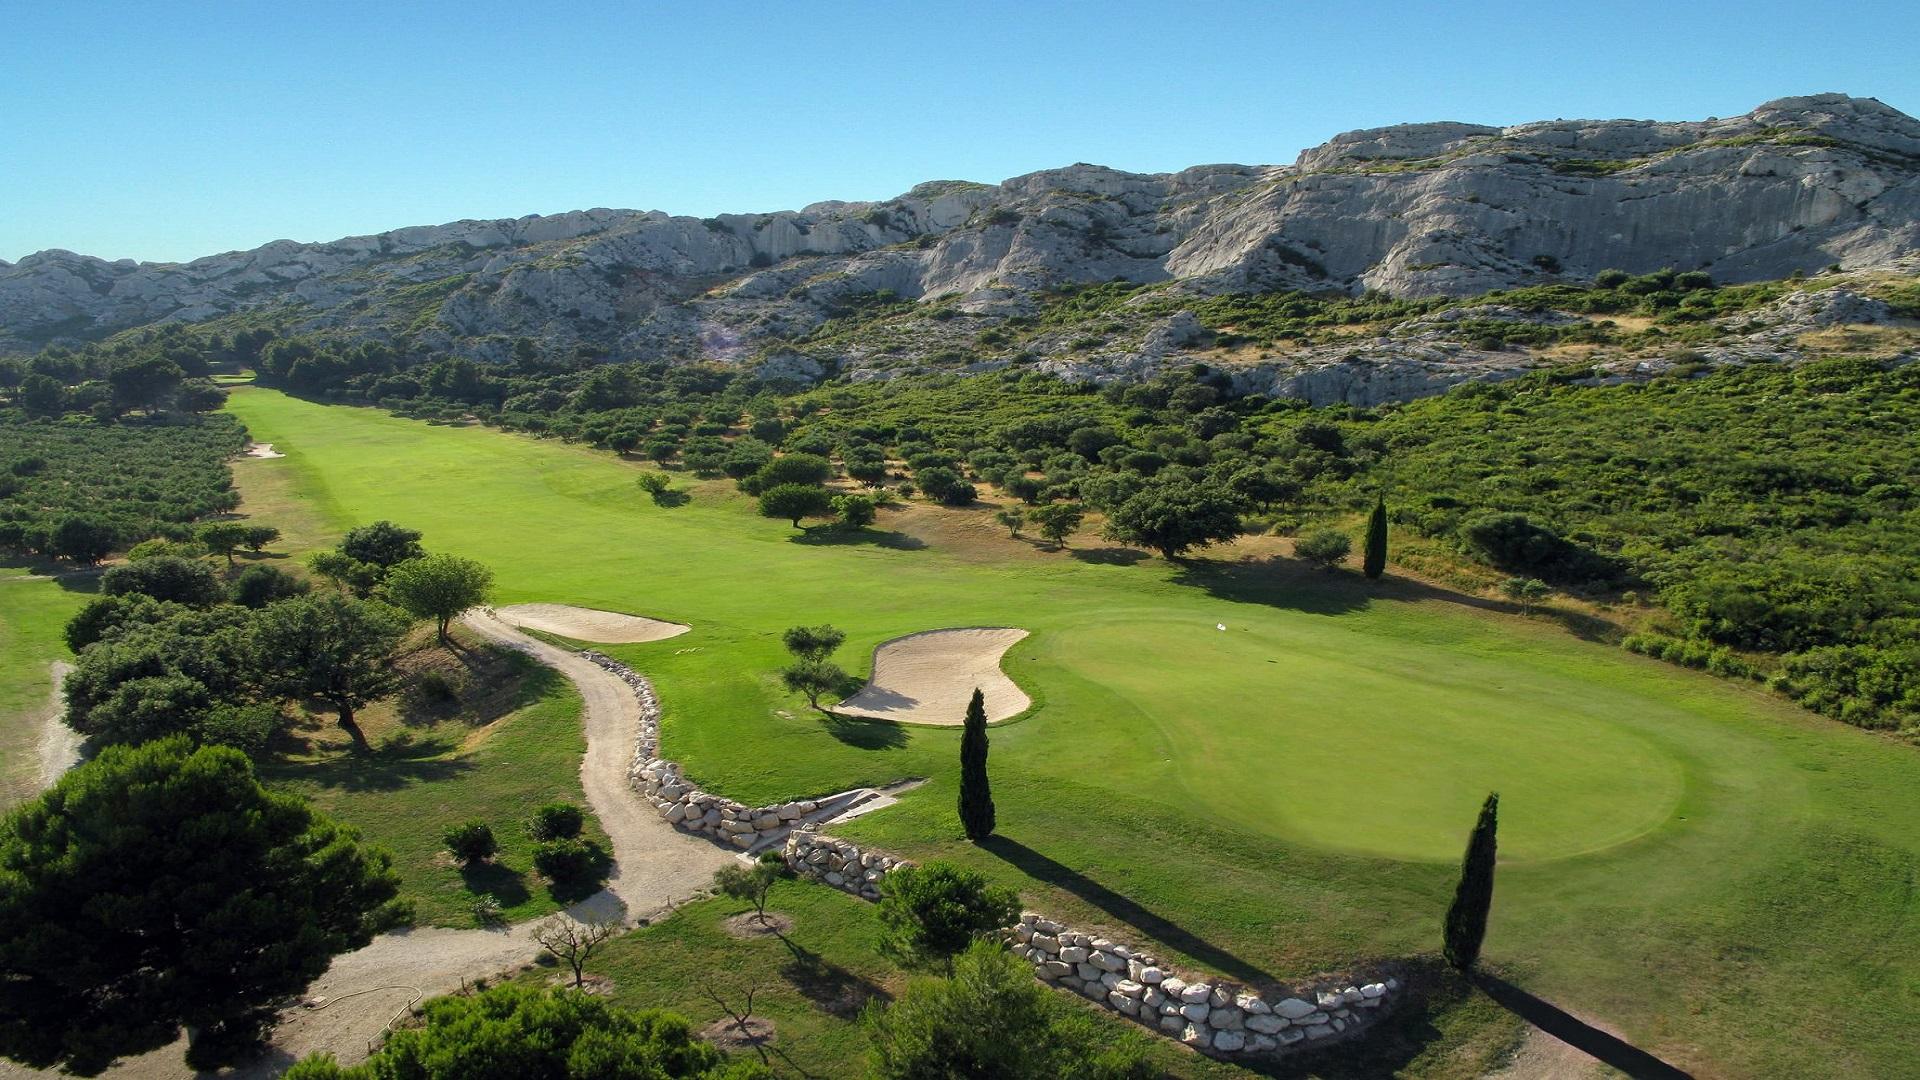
x=976, y=795
x=1375, y=562
x=1467, y=917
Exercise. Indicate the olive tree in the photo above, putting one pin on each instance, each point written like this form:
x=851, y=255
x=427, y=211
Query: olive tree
x=332, y=647
x=439, y=587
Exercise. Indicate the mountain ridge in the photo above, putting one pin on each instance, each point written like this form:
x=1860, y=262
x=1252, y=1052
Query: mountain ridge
x=1443, y=208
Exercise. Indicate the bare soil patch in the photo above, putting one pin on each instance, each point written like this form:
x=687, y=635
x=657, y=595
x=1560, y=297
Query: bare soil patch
x=729, y=1035
x=589, y=624
x=748, y=925
x=928, y=678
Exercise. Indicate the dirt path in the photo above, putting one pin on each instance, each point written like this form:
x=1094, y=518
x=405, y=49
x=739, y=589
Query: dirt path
x=59, y=744
x=655, y=869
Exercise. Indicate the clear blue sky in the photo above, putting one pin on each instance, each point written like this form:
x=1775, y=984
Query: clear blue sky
x=168, y=130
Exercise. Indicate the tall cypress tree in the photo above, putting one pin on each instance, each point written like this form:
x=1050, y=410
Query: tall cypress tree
x=1473, y=897
x=1375, y=562
x=976, y=795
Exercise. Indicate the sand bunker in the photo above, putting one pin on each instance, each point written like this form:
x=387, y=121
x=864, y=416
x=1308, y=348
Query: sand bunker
x=262, y=450
x=589, y=624
x=927, y=678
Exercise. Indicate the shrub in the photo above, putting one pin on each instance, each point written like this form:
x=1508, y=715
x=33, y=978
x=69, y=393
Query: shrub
x=1325, y=548
x=556, y=821
x=566, y=860
x=471, y=842
x=935, y=911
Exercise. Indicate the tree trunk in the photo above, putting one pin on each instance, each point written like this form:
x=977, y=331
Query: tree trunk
x=347, y=724
x=444, y=620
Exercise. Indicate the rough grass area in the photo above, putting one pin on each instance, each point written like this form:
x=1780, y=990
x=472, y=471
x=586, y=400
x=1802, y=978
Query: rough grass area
x=500, y=739
x=1717, y=875
x=33, y=612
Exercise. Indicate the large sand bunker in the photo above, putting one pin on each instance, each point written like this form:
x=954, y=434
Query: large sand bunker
x=927, y=678
x=589, y=624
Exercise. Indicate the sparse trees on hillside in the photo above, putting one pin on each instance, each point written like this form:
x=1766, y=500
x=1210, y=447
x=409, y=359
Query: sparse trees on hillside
x=853, y=512
x=222, y=538
x=160, y=887
x=752, y=884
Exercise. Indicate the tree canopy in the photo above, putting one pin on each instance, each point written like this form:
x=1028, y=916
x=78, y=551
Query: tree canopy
x=439, y=587
x=160, y=886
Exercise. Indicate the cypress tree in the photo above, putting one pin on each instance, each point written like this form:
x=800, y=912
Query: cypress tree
x=976, y=796
x=1467, y=917
x=1375, y=562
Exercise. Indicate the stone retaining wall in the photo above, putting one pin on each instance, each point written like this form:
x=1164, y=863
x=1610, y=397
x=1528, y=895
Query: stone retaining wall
x=1216, y=1016
x=839, y=863
x=662, y=784
x=1211, y=1015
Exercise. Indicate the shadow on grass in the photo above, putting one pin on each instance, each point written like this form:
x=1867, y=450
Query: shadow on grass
x=384, y=770
x=670, y=499
x=864, y=733
x=1107, y=556
x=1278, y=581
x=1155, y=926
x=502, y=883
x=830, y=987
x=1612, y=1050
x=830, y=536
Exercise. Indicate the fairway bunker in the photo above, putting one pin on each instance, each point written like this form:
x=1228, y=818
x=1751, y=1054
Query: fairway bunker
x=589, y=624
x=928, y=677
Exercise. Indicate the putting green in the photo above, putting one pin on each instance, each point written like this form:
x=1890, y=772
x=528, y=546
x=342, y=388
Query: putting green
x=1377, y=731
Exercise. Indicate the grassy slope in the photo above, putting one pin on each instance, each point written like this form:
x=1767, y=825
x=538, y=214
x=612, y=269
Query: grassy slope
x=406, y=798
x=1761, y=867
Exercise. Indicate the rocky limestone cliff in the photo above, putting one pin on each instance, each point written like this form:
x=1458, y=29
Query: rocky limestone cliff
x=1412, y=210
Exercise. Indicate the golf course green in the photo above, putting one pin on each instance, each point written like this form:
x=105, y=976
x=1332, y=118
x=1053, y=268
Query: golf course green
x=1719, y=876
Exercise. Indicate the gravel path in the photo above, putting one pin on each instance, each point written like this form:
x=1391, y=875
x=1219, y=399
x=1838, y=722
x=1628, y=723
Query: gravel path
x=656, y=868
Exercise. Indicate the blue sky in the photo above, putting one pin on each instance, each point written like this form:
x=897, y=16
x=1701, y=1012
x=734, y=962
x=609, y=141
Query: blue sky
x=165, y=131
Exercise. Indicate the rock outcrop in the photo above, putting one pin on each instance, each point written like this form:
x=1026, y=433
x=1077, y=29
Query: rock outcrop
x=1427, y=209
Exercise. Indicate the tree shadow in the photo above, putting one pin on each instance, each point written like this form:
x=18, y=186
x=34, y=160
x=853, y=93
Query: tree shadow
x=1612, y=1050
x=1277, y=582
x=1108, y=556
x=830, y=987
x=830, y=536
x=504, y=884
x=864, y=732
x=1149, y=923
x=384, y=770
x=671, y=499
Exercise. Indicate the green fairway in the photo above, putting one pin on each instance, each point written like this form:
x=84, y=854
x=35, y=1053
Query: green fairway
x=1723, y=878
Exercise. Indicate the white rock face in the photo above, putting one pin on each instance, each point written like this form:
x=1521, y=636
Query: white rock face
x=1419, y=209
